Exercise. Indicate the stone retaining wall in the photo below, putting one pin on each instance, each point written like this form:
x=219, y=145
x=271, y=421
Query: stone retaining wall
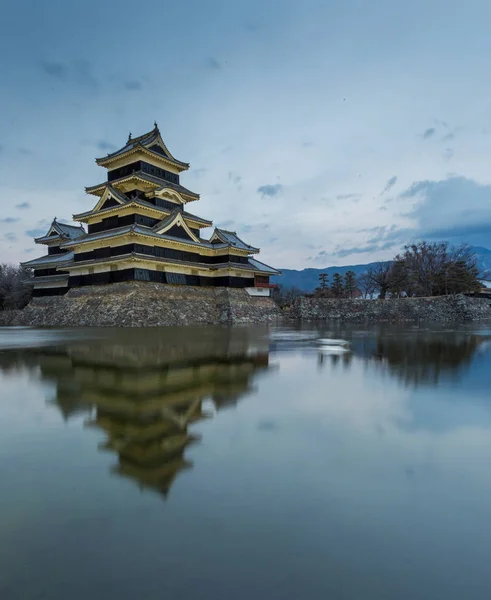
x=139, y=304
x=442, y=309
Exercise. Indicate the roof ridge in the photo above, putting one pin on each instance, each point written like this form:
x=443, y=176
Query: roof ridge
x=144, y=135
x=68, y=225
x=144, y=141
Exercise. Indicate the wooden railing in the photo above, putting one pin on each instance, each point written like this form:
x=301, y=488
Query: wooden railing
x=271, y=286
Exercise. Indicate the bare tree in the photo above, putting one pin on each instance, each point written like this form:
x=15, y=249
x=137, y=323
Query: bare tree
x=365, y=284
x=286, y=296
x=13, y=292
x=433, y=269
x=379, y=275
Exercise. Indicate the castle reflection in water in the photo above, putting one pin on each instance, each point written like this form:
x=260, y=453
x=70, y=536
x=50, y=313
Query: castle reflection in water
x=144, y=390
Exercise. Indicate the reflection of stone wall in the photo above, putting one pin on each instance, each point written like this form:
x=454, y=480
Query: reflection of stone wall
x=137, y=304
x=457, y=309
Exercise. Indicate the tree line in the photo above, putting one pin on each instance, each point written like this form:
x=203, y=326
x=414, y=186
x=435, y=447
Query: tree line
x=339, y=287
x=421, y=269
x=13, y=293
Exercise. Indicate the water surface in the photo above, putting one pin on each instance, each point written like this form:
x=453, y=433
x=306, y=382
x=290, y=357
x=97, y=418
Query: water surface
x=245, y=463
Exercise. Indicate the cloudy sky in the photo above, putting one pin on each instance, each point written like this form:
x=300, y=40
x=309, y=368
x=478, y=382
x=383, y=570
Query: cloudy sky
x=325, y=132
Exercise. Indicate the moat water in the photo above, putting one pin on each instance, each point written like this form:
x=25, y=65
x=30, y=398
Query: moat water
x=245, y=463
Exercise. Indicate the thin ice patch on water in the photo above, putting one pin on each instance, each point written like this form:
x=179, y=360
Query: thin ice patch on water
x=293, y=336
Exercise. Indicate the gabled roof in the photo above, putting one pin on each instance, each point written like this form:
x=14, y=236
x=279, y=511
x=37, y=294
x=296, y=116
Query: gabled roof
x=259, y=266
x=61, y=230
x=231, y=237
x=110, y=192
x=175, y=218
x=148, y=141
x=145, y=204
x=50, y=260
x=160, y=184
x=90, y=237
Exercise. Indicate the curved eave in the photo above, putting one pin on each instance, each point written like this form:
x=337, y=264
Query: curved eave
x=47, y=279
x=263, y=268
x=48, y=239
x=138, y=231
x=44, y=265
x=140, y=148
x=245, y=251
x=219, y=234
x=269, y=273
x=156, y=184
x=83, y=217
x=137, y=256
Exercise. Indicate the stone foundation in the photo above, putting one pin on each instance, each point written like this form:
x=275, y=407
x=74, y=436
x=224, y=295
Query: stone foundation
x=441, y=309
x=139, y=304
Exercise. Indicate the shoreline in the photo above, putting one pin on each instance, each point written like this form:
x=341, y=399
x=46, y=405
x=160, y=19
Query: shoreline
x=139, y=304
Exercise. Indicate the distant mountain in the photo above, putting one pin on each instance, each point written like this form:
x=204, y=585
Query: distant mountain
x=308, y=279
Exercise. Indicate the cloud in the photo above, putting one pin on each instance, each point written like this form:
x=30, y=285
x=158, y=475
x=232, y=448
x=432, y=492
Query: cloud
x=235, y=178
x=228, y=223
x=322, y=255
x=82, y=70
x=455, y=207
x=133, y=85
x=389, y=185
x=9, y=220
x=23, y=205
x=251, y=26
x=382, y=238
x=430, y=132
x=104, y=145
x=347, y=196
x=366, y=249
x=55, y=69
x=449, y=137
x=35, y=233
x=199, y=172
x=214, y=64
x=24, y=151
x=270, y=189
x=10, y=237
x=448, y=153
x=79, y=70
x=249, y=228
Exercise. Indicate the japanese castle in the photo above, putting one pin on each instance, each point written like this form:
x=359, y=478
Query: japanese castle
x=140, y=229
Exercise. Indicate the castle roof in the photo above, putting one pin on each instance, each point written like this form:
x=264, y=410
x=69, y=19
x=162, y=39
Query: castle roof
x=61, y=230
x=231, y=237
x=160, y=184
x=90, y=237
x=50, y=259
x=149, y=142
x=139, y=202
x=260, y=266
